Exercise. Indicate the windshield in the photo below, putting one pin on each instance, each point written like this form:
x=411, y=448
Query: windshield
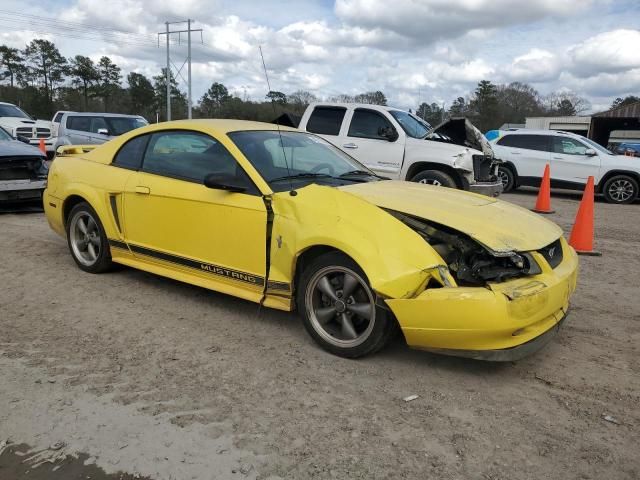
x=412, y=126
x=120, y=125
x=597, y=146
x=296, y=156
x=4, y=136
x=12, y=111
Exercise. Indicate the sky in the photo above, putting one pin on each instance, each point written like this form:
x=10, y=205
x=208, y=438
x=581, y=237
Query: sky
x=413, y=50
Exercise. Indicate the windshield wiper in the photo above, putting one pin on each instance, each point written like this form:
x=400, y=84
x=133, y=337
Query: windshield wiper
x=359, y=172
x=301, y=175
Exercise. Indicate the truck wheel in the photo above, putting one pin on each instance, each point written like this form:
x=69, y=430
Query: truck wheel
x=507, y=177
x=339, y=309
x=435, y=177
x=620, y=189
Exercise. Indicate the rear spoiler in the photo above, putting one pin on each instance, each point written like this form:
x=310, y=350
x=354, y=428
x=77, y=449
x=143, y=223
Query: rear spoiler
x=68, y=150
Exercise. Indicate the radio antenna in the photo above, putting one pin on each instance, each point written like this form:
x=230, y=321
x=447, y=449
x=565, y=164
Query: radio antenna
x=273, y=104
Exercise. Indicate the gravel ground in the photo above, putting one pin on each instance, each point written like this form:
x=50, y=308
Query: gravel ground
x=145, y=375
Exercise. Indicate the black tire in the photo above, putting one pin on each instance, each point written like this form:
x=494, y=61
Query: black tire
x=435, y=177
x=620, y=189
x=372, y=333
x=95, y=240
x=507, y=177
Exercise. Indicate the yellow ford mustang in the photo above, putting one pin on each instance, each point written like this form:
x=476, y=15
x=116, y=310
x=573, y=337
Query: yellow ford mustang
x=285, y=219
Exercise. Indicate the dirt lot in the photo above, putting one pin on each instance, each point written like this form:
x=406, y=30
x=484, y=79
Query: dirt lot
x=147, y=375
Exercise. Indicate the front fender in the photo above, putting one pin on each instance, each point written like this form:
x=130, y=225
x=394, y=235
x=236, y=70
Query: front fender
x=396, y=260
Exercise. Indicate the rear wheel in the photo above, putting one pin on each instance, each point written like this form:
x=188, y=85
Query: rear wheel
x=507, y=177
x=620, y=189
x=87, y=240
x=339, y=310
x=434, y=177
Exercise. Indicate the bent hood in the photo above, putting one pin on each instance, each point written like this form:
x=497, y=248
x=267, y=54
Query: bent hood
x=460, y=131
x=498, y=225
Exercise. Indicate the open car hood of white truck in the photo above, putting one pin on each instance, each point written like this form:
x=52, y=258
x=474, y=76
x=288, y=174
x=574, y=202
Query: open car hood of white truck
x=460, y=131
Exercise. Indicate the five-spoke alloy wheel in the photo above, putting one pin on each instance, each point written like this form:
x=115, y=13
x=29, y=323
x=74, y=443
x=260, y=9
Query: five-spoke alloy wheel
x=87, y=240
x=339, y=307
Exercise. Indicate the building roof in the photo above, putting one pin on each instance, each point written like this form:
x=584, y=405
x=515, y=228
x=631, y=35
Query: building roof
x=630, y=110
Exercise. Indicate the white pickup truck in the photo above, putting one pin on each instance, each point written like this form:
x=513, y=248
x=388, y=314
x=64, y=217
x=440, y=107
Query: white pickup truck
x=20, y=124
x=396, y=144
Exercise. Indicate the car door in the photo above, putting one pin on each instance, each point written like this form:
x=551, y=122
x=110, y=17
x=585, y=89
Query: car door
x=366, y=141
x=98, y=125
x=172, y=218
x=77, y=130
x=570, y=163
x=529, y=153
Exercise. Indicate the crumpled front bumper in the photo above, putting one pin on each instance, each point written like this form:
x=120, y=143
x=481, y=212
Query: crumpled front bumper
x=505, y=321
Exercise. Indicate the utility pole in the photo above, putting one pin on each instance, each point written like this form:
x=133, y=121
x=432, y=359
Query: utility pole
x=168, y=32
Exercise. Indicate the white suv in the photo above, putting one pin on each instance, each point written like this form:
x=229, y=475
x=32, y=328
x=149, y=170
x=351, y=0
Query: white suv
x=572, y=158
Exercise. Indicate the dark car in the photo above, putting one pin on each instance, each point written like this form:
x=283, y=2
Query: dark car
x=23, y=170
x=631, y=149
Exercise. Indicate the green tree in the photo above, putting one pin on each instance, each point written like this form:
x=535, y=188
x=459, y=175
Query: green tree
x=484, y=105
x=12, y=64
x=372, y=98
x=178, y=98
x=277, y=97
x=109, y=77
x=212, y=101
x=85, y=74
x=459, y=108
x=141, y=94
x=565, y=108
x=46, y=65
x=516, y=101
x=432, y=114
x=621, y=102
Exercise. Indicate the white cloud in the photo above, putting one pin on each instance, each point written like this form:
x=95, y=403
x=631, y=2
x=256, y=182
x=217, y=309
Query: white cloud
x=615, y=51
x=536, y=65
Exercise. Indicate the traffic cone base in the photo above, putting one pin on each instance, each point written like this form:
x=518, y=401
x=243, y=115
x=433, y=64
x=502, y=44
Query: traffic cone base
x=543, y=202
x=591, y=253
x=543, y=211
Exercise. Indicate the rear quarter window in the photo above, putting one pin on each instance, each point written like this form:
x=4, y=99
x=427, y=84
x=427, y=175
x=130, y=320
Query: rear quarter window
x=326, y=120
x=131, y=153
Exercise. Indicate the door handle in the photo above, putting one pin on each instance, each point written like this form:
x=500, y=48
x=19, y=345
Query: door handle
x=143, y=190
x=557, y=158
x=350, y=145
x=516, y=153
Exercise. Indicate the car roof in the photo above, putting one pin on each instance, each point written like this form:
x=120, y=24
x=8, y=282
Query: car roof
x=217, y=125
x=96, y=114
x=355, y=105
x=532, y=131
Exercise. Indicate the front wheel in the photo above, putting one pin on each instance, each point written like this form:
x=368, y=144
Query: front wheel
x=620, y=189
x=507, y=177
x=339, y=310
x=435, y=177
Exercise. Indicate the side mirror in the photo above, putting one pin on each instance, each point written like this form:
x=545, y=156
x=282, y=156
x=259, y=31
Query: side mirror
x=389, y=133
x=219, y=181
x=103, y=131
x=23, y=139
x=590, y=152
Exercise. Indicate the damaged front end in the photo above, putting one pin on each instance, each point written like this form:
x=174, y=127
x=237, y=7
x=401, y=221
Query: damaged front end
x=22, y=178
x=469, y=262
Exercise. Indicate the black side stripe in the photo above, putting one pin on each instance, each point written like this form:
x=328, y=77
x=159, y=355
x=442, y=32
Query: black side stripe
x=202, y=266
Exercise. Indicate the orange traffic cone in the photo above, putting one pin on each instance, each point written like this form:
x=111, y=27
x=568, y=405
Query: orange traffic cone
x=581, y=238
x=543, y=203
x=42, y=146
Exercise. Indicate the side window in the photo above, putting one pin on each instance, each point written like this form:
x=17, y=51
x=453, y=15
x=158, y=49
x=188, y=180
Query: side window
x=568, y=146
x=131, y=153
x=326, y=120
x=58, y=117
x=368, y=124
x=98, y=123
x=188, y=156
x=529, y=142
x=82, y=124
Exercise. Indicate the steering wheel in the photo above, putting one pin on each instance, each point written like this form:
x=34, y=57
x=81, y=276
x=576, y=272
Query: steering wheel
x=322, y=166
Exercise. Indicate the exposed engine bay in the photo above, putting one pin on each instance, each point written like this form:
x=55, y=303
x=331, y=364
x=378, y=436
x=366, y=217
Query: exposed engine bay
x=469, y=262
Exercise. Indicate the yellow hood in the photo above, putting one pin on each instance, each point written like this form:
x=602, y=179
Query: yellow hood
x=498, y=225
